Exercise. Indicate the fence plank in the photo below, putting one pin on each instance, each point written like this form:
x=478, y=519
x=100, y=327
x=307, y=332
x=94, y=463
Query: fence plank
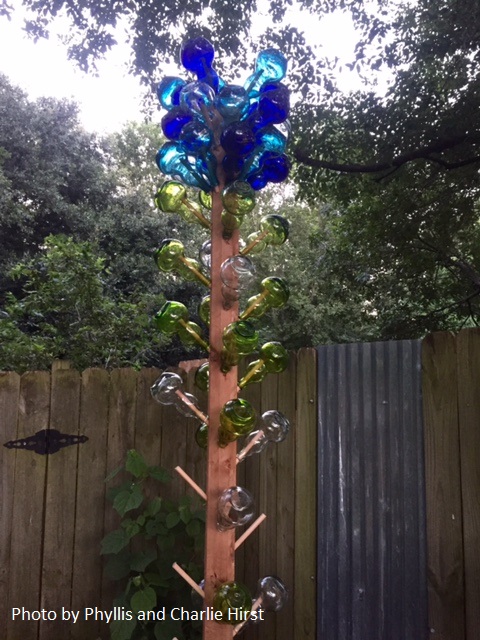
x=59, y=516
x=90, y=501
x=9, y=396
x=251, y=550
x=175, y=431
x=266, y=499
x=285, y=512
x=195, y=457
x=443, y=498
x=468, y=372
x=28, y=506
x=305, y=494
x=121, y=438
x=147, y=418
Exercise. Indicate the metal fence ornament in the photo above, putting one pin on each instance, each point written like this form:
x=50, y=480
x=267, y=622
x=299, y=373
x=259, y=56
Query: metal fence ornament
x=46, y=441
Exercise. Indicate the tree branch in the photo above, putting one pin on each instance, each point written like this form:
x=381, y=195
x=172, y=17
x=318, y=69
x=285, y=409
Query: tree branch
x=422, y=153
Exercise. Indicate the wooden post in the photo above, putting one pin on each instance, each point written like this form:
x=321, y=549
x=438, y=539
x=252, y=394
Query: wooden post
x=221, y=470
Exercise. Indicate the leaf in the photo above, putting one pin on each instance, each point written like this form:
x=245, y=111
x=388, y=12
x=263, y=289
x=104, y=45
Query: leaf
x=172, y=520
x=113, y=492
x=193, y=528
x=144, y=600
x=157, y=580
x=114, y=541
x=118, y=566
x=158, y=473
x=153, y=507
x=185, y=514
x=166, y=542
x=127, y=500
x=113, y=473
x=131, y=527
x=122, y=629
x=168, y=629
x=140, y=561
x=155, y=527
x=136, y=464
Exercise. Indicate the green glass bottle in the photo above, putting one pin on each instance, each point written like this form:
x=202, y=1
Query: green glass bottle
x=202, y=376
x=204, y=310
x=238, y=198
x=255, y=372
x=274, y=230
x=278, y=291
x=239, y=339
x=230, y=223
x=201, y=436
x=275, y=293
x=190, y=333
x=189, y=268
x=275, y=357
x=167, y=319
x=256, y=243
x=237, y=418
x=172, y=198
x=205, y=200
x=168, y=254
x=257, y=306
x=234, y=601
x=276, y=227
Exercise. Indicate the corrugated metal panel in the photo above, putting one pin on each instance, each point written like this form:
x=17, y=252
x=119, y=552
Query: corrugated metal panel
x=371, y=512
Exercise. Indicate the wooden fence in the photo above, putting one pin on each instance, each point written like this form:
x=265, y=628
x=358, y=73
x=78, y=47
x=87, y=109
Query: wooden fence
x=54, y=514
x=451, y=408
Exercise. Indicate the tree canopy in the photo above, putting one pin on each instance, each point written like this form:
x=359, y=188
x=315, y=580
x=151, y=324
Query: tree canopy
x=385, y=232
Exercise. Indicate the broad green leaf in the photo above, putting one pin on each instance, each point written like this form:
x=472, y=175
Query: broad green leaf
x=131, y=527
x=122, y=629
x=168, y=629
x=114, y=541
x=153, y=507
x=185, y=514
x=118, y=565
x=113, y=473
x=143, y=600
x=160, y=474
x=127, y=500
x=136, y=464
x=172, y=520
x=166, y=542
x=140, y=561
x=157, y=580
x=194, y=528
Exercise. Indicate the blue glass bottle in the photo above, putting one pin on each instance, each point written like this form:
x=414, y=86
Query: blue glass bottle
x=238, y=139
x=197, y=56
x=173, y=122
x=168, y=91
x=270, y=65
x=232, y=102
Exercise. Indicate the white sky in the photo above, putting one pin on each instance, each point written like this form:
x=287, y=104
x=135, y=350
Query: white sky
x=114, y=97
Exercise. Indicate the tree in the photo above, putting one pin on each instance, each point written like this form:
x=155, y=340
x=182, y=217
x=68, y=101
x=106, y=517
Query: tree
x=51, y=174
x=399, y=170
x=56, y=178
x=64, y=313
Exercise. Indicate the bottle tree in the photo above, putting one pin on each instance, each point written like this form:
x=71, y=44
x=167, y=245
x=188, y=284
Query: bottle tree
x=224, y=142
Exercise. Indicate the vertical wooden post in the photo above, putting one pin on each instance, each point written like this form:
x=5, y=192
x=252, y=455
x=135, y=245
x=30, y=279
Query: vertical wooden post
x=221, y=470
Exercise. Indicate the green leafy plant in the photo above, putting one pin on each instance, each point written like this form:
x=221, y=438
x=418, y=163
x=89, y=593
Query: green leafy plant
x=153, y=534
